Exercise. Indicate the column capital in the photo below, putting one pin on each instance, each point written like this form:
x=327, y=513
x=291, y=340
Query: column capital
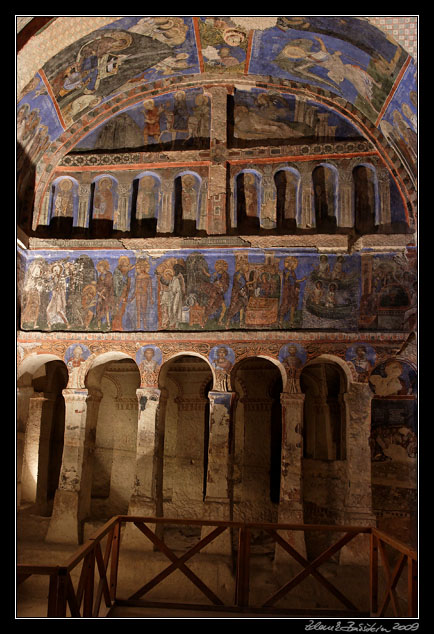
x=358, y=391
x=26, y=390
x=73, y=394
x=224, y=395
x=153, y=393
x=288, y=398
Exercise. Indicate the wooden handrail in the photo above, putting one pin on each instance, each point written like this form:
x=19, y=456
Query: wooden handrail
x=97, y=583
x=395, y=543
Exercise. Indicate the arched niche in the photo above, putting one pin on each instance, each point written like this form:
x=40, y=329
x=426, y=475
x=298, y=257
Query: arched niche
x=324, y=383
x=187, y=203
x=185, y=380
x=256, y=437
x=113, y=380
x=103, y=205
x=325, y=196
x=394, y=447
x=40, y=430
x=63, y=206
x=145, y=205
x=287, y=182
x=366, y=202
x=247, y=201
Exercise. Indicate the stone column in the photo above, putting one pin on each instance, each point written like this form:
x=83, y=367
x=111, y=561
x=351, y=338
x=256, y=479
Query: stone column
x=43, y=218
x=217, y=170
x=307, y=218
x=291, y=496
x=24, y=395
x=358, y=501
x=83, y=205
x=72, y=498
x=345, y=218
x=44, y=453
x=217, y=499
x=35, y=457
x=121, y=214
x=385, y=215
x=268, y=202
x=143, y=500
x=166, y=217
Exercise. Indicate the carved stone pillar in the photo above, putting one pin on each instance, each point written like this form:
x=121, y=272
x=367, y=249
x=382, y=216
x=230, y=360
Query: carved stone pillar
x=166, y=217
x=72, y=498
x=307, y=218
x=358, y=502
x=217, y=499
x=218, y=473
x=291, y=496
x=202, y=223
x=143, y=499
x=385, y=215
x=345, y=217
x=36, y=450
x=121, y=215
x=217, y=170
x=268, y=202
x=83, y=205
x=24, y=395
x=43, y=217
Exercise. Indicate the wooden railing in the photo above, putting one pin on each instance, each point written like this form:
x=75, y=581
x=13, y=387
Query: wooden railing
x=92, y=592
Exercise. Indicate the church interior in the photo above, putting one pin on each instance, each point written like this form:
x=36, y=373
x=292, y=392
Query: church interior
x=217, y=313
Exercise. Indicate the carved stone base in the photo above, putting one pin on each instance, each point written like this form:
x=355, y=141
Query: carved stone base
x=65, y=527
x=133, y=538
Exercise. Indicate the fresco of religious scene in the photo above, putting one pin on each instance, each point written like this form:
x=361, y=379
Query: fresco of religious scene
x=194, y=290
x=114, y=58
x=179, y=120
x=293, y=356
x=37, y=124
x=389, y=292
x=75, y=355
x=362, y=357
x=308, y=53
x=149, y=359
x=394, y=411
x=222, y=359
x=399, y=122
x=260, y=114
x=393, y=378
x=223, y=45
x=331, y=295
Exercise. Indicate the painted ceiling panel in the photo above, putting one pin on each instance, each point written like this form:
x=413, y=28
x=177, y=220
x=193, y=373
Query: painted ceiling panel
x=345, y=55
x=101, y=79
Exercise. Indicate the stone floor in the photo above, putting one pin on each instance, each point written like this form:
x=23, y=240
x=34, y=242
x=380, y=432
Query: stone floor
x=137, y=567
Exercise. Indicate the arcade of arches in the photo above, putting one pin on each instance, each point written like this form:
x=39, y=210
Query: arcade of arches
x=217, y=272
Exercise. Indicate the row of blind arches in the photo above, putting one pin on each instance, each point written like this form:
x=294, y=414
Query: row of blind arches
x=149, y=206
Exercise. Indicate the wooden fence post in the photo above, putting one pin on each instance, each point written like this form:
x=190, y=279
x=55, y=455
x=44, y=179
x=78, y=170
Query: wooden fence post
x=412, y=587
x=115, y=560
x=243, y=568
x=373, y=578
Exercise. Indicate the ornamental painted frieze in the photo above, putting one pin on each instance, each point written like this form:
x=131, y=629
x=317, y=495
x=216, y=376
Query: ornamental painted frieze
x=217, y=290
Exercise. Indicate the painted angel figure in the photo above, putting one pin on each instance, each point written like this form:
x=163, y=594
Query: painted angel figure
x=298, y=58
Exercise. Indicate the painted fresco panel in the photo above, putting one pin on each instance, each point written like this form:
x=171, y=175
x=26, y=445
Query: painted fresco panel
x=260, y=114
x=207, y=290
x=399, y=123
x=339, y=66
x=182, y=117
x=388, y=292
x=394, y=412
x=111, y=59
x=223, y=45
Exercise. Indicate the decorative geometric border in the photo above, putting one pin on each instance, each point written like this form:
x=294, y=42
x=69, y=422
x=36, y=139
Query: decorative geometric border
x=402, y=28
